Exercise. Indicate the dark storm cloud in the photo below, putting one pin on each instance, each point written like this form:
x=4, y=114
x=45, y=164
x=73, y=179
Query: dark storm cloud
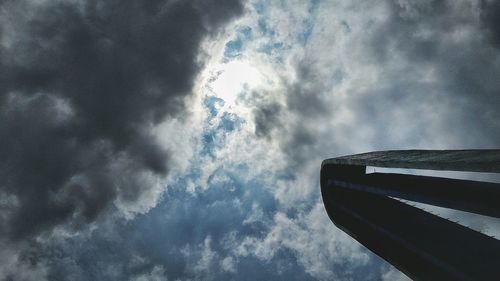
x=81, y=85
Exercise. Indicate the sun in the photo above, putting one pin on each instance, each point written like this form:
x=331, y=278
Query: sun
x=233, y=77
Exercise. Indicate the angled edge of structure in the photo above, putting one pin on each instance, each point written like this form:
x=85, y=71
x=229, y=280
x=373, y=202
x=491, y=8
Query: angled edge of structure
x=420, y=244
x=471, y=160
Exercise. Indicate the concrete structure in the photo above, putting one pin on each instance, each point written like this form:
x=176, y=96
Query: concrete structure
x=422, y=245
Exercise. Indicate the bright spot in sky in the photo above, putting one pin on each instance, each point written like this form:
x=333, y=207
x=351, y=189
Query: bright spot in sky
x=233, y=78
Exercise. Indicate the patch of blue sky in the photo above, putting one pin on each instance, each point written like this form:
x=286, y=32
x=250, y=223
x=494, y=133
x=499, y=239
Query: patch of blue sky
x=230, y=122
x=259, y=7
x=286, y=262
x=185, y=218
x=303, y=37
x=274, y=50
x=264, y=27
x=235, y=47
x=261, y=10
x=271, y=48
x=215, y=137
x=169, y=228
x=309, y=22
x=245, y=31
x=303, y=207
x=286, y=175
x=338, y=76
x=209, y=146
x=233, y=181
x=212, y=104
x=276, y=269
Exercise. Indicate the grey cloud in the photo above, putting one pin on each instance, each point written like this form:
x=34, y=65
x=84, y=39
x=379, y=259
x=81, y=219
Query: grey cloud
x=490, y=17
x=82, y=83
x=305, y=102
x=306, y=97
x=456, y=105
x=449, y=38
x=266, y=118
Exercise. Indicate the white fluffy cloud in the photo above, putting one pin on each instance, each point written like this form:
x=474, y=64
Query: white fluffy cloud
x=321, y=249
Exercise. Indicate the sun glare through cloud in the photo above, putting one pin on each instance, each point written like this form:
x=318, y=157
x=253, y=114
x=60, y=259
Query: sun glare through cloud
x=232, y=78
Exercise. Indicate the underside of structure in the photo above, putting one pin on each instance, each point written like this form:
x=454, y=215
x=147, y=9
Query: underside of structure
x=420, y=244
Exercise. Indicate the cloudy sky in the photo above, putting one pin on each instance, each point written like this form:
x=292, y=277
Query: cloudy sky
x=182, y=139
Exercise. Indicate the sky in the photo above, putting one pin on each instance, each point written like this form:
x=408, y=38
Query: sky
x=182, y=139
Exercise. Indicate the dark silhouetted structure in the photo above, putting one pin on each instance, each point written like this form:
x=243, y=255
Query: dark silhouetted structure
x=422, y=245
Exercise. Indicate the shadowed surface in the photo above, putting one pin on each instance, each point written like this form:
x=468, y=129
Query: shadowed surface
x=474, y=160
x=422, y=245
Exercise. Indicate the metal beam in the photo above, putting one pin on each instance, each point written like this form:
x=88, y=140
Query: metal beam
x=472, y=160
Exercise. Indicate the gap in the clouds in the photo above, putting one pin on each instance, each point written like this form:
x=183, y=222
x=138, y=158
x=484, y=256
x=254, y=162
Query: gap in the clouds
x=304, y=36
x=230, y=122
x=182, y=221
x=214, y=136
x=259, y=7
x=223, y=205
x=262, y=19
x=234, y=47
x=213, y=104
x=272, y=48
x=264, y=28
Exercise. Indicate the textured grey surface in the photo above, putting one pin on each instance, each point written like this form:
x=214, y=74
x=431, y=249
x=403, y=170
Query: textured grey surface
x=473, y=160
